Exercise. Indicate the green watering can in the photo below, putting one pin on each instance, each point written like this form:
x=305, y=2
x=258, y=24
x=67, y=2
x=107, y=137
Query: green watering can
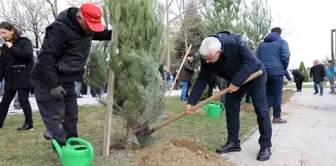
x=75, y=155
x=214, y=109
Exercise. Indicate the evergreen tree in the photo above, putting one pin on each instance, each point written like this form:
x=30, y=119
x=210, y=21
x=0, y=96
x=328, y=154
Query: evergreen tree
x=139, y=89
x=305, y=72
x=97, y=67
x=221, y=15
x=257, y=21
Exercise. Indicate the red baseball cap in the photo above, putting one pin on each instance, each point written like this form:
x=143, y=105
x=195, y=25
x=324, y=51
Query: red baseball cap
x=92, y=15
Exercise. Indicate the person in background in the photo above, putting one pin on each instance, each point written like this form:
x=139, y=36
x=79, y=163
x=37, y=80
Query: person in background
x=177, y=84
x=78, y=86
x=274, y=53
x=318, y=73
x=161, y=69
x=212, y=84
x=298, y=78
x=2, y=81
x=16, y=62
x=331, y=76
x=185, y=76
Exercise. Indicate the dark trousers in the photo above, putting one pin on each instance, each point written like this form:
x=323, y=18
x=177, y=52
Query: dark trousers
x=210, y=89
x=298, y=83
x=23, y=95
x=274, y=87
x=59, y=117
x=257, y=89
x=247, y=98
x=189, y=85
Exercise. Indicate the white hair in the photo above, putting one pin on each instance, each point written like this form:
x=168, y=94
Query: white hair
x=210, y=45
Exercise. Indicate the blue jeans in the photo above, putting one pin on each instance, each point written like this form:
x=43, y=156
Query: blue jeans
x=78, y=87
x=3, y=86
x=256, y=88
x=320, y=84
x=184, y=91
x=274, y=87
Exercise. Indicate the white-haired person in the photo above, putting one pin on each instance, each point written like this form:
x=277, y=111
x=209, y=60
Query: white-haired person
x=228, y=56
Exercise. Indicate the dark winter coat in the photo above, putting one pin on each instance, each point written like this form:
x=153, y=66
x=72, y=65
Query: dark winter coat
x=297, y=74
x=318, y=73
x=16, y=63
x=161, y=70
x=187, y=71
x=65, y=50
x=274, y=53
x=235, y=64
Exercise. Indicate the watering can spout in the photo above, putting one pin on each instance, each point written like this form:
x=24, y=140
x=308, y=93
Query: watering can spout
x=57, y=147
x=206, y=107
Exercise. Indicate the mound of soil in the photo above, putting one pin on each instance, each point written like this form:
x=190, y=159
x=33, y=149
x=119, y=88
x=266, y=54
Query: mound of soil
x=178, y=153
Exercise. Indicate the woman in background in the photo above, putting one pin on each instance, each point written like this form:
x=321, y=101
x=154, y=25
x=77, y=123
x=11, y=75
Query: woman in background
x=16, y=62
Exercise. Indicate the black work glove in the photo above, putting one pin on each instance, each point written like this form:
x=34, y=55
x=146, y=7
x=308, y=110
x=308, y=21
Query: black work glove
x=58, y=93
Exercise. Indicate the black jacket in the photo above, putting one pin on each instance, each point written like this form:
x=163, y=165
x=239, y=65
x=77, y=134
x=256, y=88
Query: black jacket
x=297, y=74
x=65, y=50
x=187, y=71
x=235, y=64
x=16, y=63
x=318, y=73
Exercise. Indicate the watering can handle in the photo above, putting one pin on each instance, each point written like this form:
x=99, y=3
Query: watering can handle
x=219, y=94
x=217, y=102
x=89, y=146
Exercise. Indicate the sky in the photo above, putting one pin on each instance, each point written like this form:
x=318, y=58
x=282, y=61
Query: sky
x=309, y=22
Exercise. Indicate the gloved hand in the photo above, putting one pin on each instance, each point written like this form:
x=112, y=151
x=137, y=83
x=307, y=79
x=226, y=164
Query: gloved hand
x=58, y=93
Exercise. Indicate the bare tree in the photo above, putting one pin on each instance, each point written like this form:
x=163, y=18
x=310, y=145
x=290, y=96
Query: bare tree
x=79, y=2
x=30, y=16
x=180, y=7
x=54, y=7
x=257, y=20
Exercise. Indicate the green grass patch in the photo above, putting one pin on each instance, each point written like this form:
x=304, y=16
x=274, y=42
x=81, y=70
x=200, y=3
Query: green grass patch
x=29, y=148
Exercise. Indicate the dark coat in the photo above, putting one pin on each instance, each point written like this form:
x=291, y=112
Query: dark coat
x=297, y=74
x=187, y=71
x=64, y=51
x=16, y=63
x=318, y=73
x=236, y=63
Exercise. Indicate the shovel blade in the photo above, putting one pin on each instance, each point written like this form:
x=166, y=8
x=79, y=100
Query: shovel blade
x=144, y=138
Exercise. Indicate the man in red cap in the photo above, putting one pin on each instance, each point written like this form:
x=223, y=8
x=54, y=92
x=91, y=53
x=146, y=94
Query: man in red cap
x=61, y=59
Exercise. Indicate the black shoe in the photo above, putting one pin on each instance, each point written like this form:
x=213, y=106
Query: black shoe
x=315, y=93
x=47, y=135
x=229, y=147
x=25, y=127
x=264, y=154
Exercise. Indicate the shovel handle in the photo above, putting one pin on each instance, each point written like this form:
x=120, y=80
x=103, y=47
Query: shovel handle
x=217, y=95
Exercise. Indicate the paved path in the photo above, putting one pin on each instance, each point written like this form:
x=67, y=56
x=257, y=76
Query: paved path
x=87, y=100
x=308, y=139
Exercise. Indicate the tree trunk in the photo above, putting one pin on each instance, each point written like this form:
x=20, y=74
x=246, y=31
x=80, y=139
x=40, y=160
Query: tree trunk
x=129, y=136
x=36, y=36
x=167, y=33
x=109, y=111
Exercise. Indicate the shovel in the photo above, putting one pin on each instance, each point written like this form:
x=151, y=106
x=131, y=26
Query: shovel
x=144, y=136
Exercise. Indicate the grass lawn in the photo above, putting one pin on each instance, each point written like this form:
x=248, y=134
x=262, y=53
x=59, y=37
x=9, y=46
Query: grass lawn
x=29, y=148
